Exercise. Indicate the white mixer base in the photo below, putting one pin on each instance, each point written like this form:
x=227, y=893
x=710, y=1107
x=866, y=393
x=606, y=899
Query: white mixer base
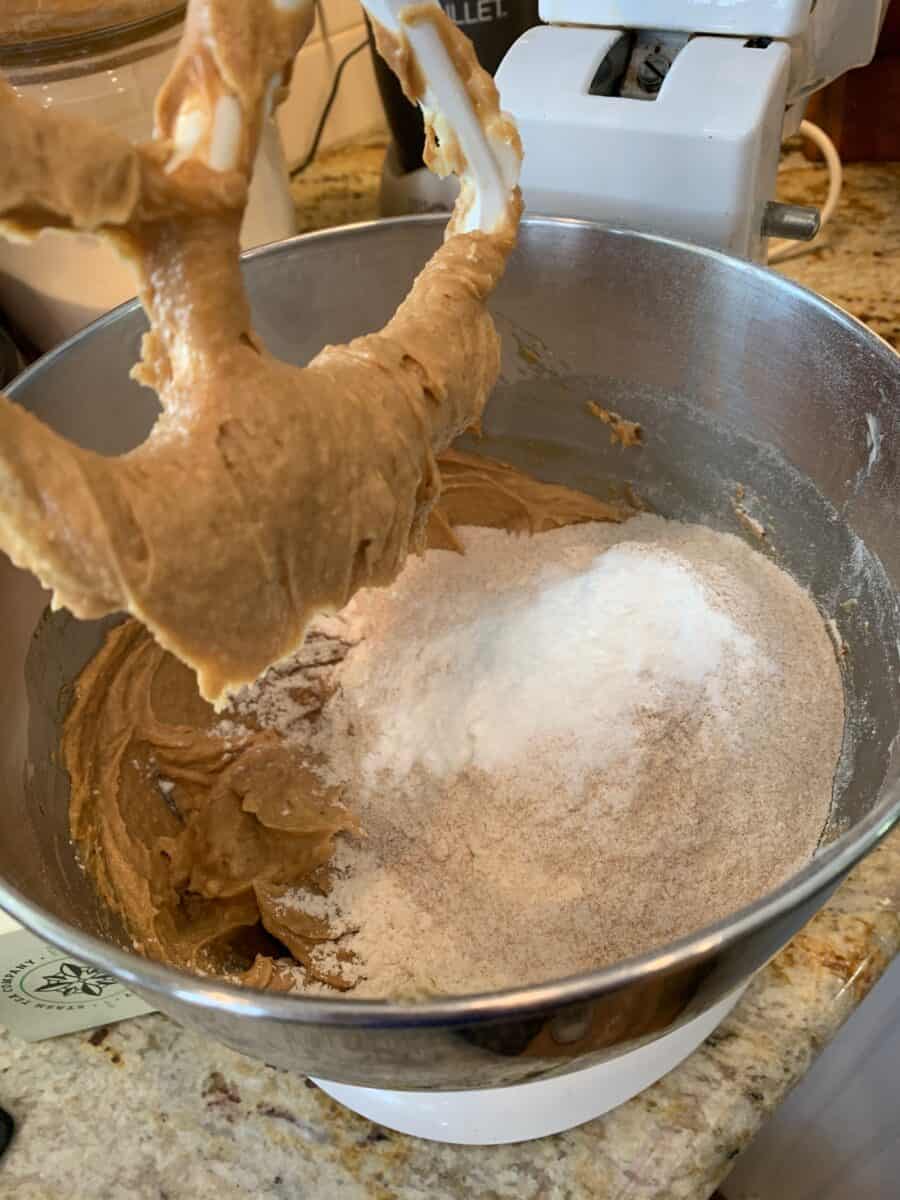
x=495, y=1116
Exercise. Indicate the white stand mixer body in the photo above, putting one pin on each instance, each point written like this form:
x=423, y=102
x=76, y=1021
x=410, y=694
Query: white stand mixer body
x=697, y=158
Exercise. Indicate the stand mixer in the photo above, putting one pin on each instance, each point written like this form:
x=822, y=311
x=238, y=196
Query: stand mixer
x=667, y=117
x=621, y=132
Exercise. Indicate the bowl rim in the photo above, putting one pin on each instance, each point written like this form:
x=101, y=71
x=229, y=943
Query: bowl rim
x=826, y=869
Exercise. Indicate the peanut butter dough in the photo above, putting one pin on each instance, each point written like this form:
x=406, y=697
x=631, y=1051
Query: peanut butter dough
x=195, y=834
x=626, y=433
x=265, y=493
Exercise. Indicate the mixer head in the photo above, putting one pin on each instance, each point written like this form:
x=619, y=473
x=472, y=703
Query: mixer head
x=672, y=123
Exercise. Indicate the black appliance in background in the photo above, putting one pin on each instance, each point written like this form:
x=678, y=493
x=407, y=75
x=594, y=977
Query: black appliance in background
x=492, y=25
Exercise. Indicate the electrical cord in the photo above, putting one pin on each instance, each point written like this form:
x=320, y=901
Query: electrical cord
x=326, y=111
x=782, y=249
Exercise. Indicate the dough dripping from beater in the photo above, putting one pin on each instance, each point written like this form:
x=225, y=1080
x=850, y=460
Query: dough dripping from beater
x=265, y=493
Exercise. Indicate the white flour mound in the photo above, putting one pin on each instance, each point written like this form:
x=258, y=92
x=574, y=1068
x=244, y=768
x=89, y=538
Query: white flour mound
x=565, y=750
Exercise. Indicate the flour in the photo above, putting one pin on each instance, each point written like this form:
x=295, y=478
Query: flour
x=294, y=690
x=564, y=750
x=514, y=652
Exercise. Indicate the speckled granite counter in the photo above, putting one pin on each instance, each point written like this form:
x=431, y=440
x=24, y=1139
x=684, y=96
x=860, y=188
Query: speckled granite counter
x=146, y=1109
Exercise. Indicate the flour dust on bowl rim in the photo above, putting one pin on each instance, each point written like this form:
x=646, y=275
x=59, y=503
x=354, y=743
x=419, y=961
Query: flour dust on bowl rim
x=739, y=377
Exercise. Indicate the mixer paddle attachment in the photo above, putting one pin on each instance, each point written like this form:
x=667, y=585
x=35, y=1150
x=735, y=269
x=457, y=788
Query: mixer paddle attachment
x=265, y=493
x=465, y=133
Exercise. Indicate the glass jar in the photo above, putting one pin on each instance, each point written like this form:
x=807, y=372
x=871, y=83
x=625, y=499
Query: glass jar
x=54, y=286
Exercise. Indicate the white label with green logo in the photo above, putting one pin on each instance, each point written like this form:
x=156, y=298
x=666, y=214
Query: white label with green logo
x=45, y=992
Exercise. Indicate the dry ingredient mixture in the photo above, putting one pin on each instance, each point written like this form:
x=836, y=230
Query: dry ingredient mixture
x=528, y=759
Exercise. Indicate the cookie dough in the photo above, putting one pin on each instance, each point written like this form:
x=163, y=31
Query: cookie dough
x=626, y=433
x=194, y=833
x=265, y=493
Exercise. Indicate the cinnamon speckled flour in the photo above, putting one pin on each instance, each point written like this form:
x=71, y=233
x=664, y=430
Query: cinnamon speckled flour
x=563, y=749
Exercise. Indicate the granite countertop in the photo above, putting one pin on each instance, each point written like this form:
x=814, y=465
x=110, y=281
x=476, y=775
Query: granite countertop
x=147, y=1109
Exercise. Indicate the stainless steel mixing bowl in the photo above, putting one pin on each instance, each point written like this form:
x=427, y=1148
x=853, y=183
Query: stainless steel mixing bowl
x=739, y=377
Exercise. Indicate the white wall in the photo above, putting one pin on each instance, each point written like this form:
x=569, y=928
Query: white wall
x=357, y=112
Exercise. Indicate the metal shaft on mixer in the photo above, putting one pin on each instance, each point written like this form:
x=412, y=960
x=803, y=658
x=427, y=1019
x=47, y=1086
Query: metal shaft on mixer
x=798, y=222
